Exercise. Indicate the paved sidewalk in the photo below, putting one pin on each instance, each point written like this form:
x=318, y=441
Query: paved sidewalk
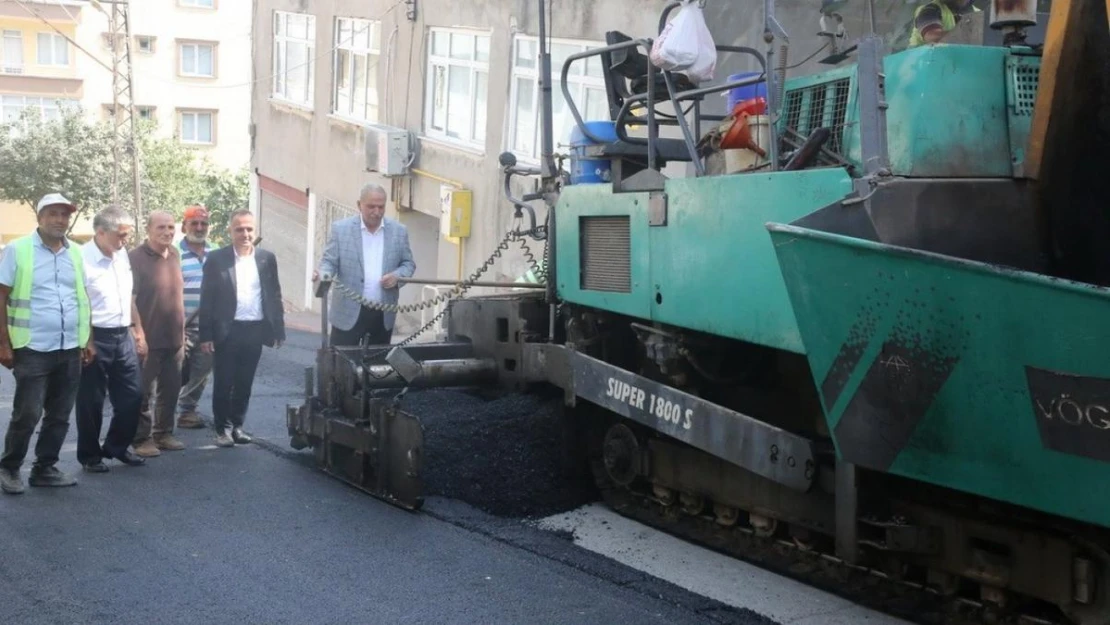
x=303, y=320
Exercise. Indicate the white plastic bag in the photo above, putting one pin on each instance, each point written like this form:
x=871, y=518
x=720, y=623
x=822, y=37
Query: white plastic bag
x=686, y=45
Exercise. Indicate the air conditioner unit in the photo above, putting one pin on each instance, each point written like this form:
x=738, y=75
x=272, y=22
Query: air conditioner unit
x=388, y=149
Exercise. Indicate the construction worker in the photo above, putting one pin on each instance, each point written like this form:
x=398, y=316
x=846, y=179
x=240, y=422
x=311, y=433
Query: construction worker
x=45, y=322
x=934, y=20
x=194, y=248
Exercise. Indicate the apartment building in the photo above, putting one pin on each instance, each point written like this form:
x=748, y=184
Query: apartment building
x=38, y=70
x=191, y=70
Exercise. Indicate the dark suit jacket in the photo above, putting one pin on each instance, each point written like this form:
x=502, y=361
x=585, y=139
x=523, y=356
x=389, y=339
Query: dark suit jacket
x=218, y=299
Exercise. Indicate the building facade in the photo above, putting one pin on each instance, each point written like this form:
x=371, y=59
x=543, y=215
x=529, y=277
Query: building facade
x=39, y=70
x=191, y=71
x=461, y=76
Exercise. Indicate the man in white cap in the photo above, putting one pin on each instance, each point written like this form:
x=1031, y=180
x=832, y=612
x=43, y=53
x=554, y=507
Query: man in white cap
x=44, y=338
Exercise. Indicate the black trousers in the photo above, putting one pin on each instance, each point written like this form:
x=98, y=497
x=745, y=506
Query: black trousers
x=370, y=324
x=45, y=388
x=115, y=372
x=233, y=368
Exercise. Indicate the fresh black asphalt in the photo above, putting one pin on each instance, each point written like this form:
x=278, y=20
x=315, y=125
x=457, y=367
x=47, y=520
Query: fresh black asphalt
x=256, y=534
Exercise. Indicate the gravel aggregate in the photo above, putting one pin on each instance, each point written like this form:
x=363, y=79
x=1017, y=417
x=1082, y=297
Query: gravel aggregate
x=502, y=456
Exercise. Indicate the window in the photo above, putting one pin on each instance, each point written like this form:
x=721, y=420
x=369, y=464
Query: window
x=145, y=44
x=294, y=50
x=53, y=49
x=458, y=73
x=196, y=127
x=144, y=112
x=357, y=46
x=47, y=108
x=200, y=4
x=587, y=87
x=198, y=59
x=11, y=56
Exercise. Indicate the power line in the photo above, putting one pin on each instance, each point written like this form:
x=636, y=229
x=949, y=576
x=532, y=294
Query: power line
x=35, y=13
x=249, y=83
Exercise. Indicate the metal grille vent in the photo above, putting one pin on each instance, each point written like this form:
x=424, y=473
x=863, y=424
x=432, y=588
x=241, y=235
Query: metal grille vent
x=330, y=211
x=606, y=254
x=1024, y=77
x=819, y=106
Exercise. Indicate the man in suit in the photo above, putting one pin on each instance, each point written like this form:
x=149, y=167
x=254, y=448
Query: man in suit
x=240, y=311
x=367, y=253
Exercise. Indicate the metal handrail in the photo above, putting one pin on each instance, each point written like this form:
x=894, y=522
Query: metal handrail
x=620, y=124
x=667, y=13
x=692, y=93
x=577, y=56
x=510, y=168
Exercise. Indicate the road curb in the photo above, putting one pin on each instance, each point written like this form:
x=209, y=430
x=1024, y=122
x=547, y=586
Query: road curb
x=302, y=328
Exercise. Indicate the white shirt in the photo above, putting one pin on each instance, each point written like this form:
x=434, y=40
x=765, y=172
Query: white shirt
x=248, y=289
x=109, y=284
x=373, y=250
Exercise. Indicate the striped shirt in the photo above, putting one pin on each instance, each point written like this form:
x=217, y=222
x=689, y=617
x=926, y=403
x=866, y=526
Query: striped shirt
x=192, y=270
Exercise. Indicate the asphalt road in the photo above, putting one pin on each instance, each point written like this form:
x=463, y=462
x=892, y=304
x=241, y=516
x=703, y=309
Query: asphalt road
x=255, y=534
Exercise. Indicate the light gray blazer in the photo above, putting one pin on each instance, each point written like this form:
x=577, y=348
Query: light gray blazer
x=343, y=261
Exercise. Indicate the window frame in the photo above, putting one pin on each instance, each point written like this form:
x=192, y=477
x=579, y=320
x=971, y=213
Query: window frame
x=182, y=112
x=584, y=80
x=44, y=104
x=278, y=54
x=54, y=37
x=475, y=67
x=151, y=39
x=192, y=4
x=5, y=63
x=373, y=58
x=139, y=108
x=184, y=43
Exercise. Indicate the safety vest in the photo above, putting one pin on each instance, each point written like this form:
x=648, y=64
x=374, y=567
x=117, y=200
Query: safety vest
x=947, y=20
x=19, y=300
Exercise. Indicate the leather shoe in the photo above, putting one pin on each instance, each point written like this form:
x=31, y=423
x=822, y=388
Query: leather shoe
x=130, y=459
x=95, y=467
x=239, y=436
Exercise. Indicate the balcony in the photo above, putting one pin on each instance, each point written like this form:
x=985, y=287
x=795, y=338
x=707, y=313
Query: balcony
x=56, y=11
x=24, y=79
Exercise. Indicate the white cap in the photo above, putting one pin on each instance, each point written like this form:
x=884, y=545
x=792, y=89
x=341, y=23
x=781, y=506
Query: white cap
x=54, y=199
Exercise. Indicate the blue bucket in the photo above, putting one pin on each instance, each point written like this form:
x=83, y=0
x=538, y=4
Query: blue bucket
x=587, y=171
x=747, y=92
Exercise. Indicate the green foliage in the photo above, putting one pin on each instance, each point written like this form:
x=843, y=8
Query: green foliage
x=226, y=192
x=65, y=155
x=73, y=156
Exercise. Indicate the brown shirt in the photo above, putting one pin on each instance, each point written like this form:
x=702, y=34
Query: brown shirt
x=159, y=296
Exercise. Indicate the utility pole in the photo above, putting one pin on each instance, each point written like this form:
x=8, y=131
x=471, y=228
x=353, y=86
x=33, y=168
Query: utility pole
x=123, y=105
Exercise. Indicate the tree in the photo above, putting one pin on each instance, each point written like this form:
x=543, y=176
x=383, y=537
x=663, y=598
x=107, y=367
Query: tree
x=226, y=192
x=65, y=155
x=173, y=177
x=73, y=156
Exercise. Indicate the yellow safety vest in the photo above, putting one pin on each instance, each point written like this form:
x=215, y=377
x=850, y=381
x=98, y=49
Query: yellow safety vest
x=19, y=300
x=947, y=20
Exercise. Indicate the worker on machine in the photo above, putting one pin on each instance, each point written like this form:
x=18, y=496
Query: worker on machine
x=934, y=20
